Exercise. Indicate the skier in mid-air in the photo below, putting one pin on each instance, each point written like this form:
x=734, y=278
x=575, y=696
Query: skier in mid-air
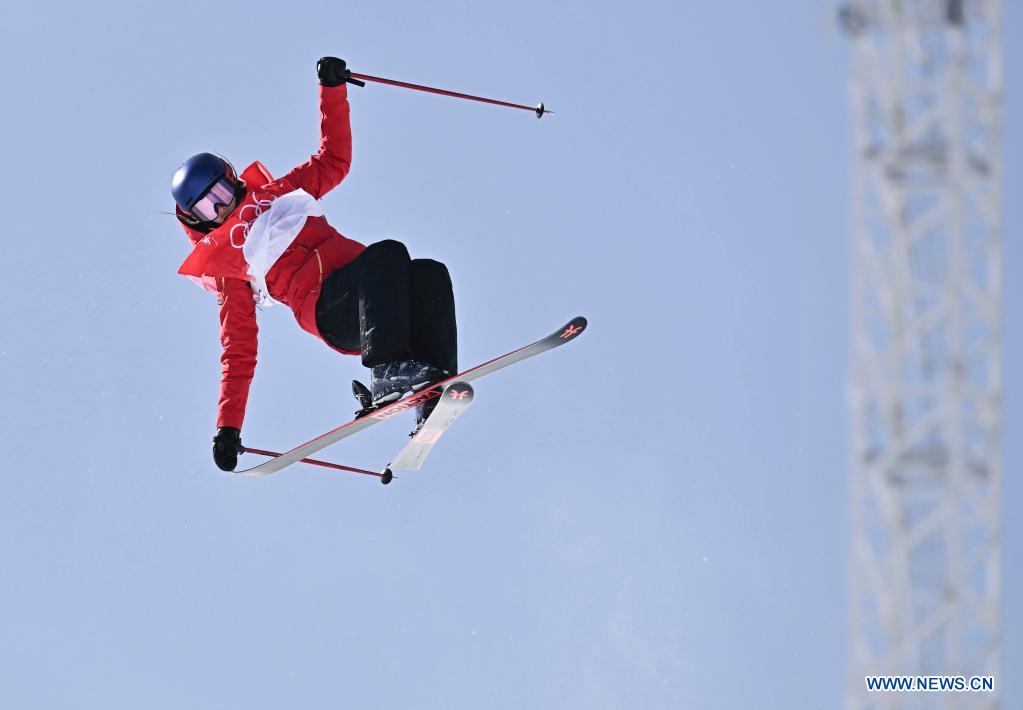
x=257, y=240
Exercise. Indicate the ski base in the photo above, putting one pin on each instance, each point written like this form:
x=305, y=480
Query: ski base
x=456, y=399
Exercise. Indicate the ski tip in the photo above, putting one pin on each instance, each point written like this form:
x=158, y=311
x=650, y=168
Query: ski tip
x=573, y=328
x=461, y=391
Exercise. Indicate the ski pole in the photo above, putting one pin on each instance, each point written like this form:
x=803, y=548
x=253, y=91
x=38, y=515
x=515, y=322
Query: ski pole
x=539, y=109
x=384, y=477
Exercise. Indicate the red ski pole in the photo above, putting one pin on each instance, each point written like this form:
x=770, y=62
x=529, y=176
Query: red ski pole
x=385, y=476
x=539, y=109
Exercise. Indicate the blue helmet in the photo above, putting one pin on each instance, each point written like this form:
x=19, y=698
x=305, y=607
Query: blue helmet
x=197, y=176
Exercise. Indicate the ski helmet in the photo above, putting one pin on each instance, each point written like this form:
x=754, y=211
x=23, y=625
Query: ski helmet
x=201, y=183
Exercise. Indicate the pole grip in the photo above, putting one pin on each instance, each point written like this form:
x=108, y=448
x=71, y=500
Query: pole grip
x=350, y=80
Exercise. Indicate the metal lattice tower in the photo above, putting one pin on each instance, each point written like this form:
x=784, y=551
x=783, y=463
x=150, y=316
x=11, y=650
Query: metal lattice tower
x=926, y=377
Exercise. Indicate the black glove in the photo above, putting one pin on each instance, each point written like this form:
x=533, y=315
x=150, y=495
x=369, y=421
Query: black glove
x=332, y=71
x=227, y=444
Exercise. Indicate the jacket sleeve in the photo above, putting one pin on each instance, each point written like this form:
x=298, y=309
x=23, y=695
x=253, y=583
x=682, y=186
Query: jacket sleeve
x=328, y=167
x=238, y=335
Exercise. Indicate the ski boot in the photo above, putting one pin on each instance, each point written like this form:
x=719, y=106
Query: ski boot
x=423, y=412
x=364, y=397
x=393, y=379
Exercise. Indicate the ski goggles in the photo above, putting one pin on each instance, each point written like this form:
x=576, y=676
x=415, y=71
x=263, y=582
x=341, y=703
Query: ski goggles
x=221, y=193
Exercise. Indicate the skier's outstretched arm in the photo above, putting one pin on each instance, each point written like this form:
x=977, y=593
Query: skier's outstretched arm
x=239, y=337
x=330, y=165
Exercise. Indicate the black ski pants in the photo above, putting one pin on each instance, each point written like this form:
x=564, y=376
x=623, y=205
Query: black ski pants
x=390, y=307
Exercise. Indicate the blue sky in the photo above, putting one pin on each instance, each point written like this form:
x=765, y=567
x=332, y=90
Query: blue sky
x=654, y=516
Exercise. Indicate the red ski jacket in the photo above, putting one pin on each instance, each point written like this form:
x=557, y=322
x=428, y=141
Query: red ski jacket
x=217, y=261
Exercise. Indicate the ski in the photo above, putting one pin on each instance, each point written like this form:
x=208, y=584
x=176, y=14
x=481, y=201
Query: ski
x=570, y=331
x=456, y=399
